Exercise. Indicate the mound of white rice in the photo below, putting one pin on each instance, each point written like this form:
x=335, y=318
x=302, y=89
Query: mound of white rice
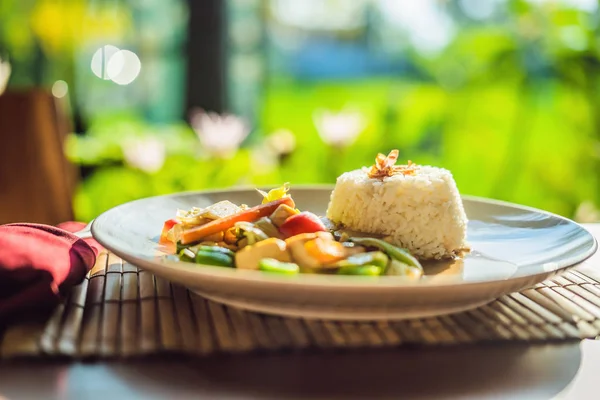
x=422, y=213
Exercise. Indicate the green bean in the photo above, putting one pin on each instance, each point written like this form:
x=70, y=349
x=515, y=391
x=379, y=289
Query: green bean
x=187, y=255
x=214, y=258
x=376, y=258
x=216, y=249
x=273, y=265
x=394, y=252
x=366, y=270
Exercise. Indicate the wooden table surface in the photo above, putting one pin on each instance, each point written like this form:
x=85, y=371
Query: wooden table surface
x=503, y=371
x=561, y=371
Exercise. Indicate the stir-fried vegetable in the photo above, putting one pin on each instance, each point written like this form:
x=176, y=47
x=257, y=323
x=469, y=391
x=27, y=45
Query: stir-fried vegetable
x=376, y=258
x=305, y=222
x=399, y=268
x=275, y=194
x=228, y=235
x=213, y=258
x=215, y=249
x=325, y=251
x=221, y=209
x=231, y=235
x=273, y=265
x=199, y=216
x=296, y=245
x=165, y=236
x=191, y=217
x=281, y=214
x=249, y=257
x=252, y=233
x=266, y=225
x=222, y=224
x=209, y=255
x=368, y=270
x=187, y=255
x=215, y=237
x=395, y=252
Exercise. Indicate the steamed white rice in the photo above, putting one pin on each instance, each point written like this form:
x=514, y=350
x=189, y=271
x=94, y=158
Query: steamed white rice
x=422, y=213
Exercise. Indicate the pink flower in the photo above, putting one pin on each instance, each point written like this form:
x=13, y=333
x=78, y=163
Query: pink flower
x=220, y=135
x=339, y=129
x=147, y=155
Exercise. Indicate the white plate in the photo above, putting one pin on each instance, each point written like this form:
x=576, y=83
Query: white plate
x=514, y=247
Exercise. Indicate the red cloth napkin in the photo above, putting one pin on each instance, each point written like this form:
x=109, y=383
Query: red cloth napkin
x=39, y=263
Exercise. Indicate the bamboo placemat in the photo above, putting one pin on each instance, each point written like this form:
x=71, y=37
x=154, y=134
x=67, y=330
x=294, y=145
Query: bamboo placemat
x=121, y=311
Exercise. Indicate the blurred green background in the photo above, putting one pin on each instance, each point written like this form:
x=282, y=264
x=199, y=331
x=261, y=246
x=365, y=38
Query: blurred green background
x=504, y=93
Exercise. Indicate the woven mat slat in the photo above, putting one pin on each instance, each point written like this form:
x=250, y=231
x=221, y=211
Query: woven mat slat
x=53, y=328
x=239, y=328
x=371, y=335
x=469, y=323
x=270, y=332
x=91, y=325
x=206, y=342
x=586, y=294
x=389, y=336
x=182, y=310
x=68, y=340
x=128, y=329
x=121, y=311
x=297, y=333
x=148, y=333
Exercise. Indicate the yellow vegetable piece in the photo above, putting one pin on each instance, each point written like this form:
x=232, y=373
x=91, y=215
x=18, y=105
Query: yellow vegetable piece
x=249, y=257
x=325, y=251
x=275, y=194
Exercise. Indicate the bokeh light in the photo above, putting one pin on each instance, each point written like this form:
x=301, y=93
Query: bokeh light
x=429, y=28
x=120, y=66
x=60, y=89
x=478, y=10
x=124, y=67
x=100, y=60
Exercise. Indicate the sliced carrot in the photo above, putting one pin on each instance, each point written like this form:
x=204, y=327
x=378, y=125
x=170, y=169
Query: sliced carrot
x=222, y=224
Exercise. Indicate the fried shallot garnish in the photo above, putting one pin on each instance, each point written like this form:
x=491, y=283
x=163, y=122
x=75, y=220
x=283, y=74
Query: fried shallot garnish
x=385, y=166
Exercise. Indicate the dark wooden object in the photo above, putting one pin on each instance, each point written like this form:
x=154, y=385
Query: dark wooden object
x=36, y=181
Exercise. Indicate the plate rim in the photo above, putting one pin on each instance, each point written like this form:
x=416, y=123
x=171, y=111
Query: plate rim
x=333, y=281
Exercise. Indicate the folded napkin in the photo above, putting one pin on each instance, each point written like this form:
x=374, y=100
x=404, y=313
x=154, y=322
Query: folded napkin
x=38, y=264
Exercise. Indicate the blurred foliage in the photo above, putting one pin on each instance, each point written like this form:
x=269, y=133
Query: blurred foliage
x=116, y=179
x=510, y=106
x=47, y=33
